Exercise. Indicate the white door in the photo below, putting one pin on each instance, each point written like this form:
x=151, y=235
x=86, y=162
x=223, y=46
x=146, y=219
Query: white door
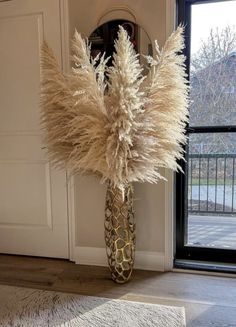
x=33, y=196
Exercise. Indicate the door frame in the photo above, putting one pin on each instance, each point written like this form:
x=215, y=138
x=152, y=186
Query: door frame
x=70, y=187
x=169, y=174
x=184, y=252
x=66, y=68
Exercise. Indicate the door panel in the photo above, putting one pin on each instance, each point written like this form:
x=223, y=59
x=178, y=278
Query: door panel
x=33, y=197
x=21, y=37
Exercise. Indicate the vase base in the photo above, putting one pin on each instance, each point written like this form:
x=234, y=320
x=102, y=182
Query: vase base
x=121, y=279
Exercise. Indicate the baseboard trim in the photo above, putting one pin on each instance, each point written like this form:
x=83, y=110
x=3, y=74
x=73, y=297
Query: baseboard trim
x=150, y=260
x=144, y=260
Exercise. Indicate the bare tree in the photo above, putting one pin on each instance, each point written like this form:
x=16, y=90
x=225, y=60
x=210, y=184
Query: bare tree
x=213, y=90
x=218, y=45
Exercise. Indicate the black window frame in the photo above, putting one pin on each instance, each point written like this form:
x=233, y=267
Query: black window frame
x=183, y=251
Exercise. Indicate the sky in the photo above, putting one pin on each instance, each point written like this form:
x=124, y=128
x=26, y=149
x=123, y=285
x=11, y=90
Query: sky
x=210, y=15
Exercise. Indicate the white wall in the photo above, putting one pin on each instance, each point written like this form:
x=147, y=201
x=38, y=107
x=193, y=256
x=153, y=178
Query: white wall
x=152, y=202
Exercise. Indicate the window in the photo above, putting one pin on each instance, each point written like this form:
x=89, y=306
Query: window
x=206, y=193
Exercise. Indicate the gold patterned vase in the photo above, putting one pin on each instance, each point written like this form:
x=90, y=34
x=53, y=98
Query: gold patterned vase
x=120, y=232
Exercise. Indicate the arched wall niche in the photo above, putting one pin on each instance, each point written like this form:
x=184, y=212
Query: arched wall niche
x=120, y=12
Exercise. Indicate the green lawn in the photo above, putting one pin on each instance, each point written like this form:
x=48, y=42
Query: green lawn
x=211, y=181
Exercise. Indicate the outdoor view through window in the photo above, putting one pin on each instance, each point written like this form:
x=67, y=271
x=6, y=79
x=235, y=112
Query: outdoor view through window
x=211, y=154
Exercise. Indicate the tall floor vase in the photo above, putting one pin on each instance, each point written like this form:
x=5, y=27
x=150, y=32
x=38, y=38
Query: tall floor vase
x=120, y=232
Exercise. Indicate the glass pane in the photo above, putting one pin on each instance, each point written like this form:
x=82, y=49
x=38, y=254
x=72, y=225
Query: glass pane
x=211, y=187
x=213, y=64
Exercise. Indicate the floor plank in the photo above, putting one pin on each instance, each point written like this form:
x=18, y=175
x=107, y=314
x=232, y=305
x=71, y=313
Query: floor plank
x=208, y=300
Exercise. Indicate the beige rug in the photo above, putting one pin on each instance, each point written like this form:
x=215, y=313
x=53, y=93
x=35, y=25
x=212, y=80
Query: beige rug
x=23, y=307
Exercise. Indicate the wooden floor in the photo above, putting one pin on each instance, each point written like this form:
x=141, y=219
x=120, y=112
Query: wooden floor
x=209, y=301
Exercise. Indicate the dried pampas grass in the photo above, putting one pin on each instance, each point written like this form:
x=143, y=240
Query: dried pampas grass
x=125, y=130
